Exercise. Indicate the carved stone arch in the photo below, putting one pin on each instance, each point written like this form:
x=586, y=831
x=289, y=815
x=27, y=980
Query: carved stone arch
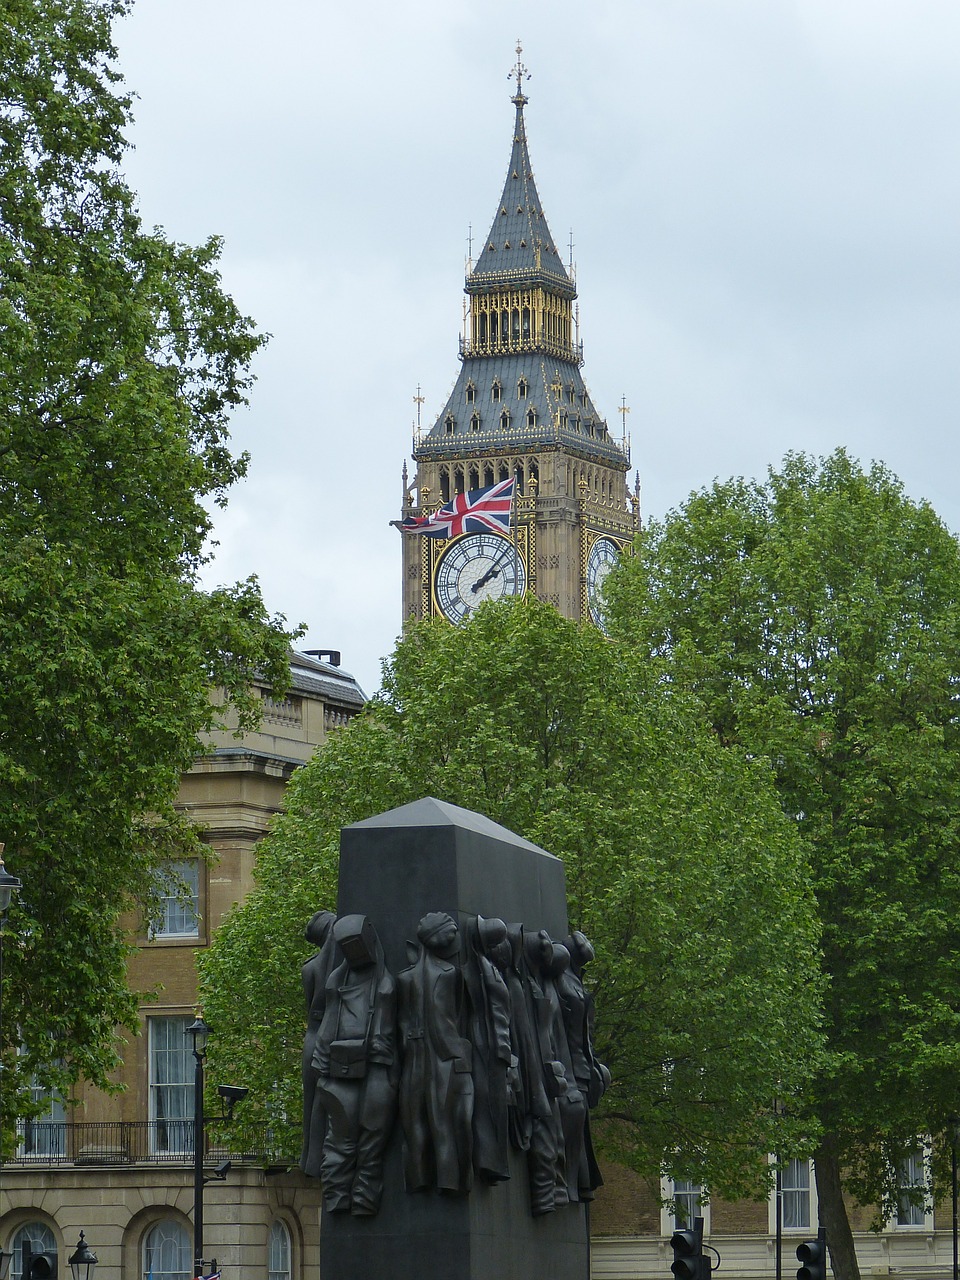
x=474, y=473
x=444, y=484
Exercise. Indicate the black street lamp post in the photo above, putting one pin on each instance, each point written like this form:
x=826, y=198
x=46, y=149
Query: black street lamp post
x=229, y=1095
x=954, y=1122
x=199, y=1033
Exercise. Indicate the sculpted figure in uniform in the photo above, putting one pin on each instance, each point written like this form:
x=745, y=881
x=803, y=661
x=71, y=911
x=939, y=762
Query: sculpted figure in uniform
x=571, y=1102
x=436, y=1086
x=591, y=1074
x=489, y=1026
x=356, y=1061
x=314, y=976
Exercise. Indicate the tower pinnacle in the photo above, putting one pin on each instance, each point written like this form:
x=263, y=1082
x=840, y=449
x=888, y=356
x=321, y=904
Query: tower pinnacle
x=521, y=73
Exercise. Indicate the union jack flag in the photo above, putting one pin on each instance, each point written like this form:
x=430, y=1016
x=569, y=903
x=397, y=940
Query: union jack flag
x=468, y=513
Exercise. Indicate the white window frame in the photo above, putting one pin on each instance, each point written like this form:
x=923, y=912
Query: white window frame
x=45, y=1134
x=280, y=1237
x=37, y=1233
x=160, y=1108
x=814, y=1208
x=178, y=916
x=182, y=1243
x=925, y=1210
x=668, y=1223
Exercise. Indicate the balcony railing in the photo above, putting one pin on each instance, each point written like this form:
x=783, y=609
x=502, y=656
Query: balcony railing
x=126, y=1142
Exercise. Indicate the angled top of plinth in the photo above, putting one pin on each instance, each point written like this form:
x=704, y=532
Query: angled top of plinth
x=430, y=812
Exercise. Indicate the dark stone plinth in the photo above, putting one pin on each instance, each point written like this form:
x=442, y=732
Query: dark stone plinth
x=394, y=868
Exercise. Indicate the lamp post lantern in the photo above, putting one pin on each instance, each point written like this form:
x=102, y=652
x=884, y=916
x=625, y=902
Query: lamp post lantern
x=83, y=1261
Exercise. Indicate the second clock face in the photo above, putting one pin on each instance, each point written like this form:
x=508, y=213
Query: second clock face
x=603, y=556
x=477, y=567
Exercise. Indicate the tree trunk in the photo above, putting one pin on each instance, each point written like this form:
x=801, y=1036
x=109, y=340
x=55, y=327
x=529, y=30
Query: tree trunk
x=833, y=1210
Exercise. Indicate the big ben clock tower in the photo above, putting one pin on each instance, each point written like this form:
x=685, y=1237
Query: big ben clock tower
x=520, y=409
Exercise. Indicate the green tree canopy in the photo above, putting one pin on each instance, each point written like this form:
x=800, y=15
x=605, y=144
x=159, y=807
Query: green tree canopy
x=121, y=359
x=679, y=864
x=817, y=617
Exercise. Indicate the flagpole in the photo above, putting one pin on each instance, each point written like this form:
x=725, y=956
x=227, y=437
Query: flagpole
x=516, y=538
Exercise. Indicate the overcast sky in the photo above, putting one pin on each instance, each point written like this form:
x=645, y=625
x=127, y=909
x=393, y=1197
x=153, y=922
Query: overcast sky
x=764, y=198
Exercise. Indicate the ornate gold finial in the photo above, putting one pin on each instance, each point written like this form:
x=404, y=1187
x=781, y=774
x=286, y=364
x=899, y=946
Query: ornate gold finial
x=521, y=73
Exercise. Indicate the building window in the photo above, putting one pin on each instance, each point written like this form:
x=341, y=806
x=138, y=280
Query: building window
x=179, y=909
x=911, y=1191
x=166, y=1252
x=531, y=417
x=505, y=420
x=171, y=1086
x=45, y=1135
x=471, y=393
x=522, y=386
x=496, y=391
x=475, y=422
x=33, y=1238
x=278, y=1252
x=795, y=1193
x=450, y=423
x=686, y=1196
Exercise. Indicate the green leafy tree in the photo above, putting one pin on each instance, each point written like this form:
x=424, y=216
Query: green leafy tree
x=679, y=866
x=817, y=617
x=121, y=359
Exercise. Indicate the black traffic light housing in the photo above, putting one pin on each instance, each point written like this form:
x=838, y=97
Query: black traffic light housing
x=812, y=1256
x=39, y=1266
x=689, y=1260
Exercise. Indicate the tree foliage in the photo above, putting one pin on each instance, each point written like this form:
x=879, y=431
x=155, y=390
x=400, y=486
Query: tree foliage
x=121, y=359
x=817, y=617
x=679, y=866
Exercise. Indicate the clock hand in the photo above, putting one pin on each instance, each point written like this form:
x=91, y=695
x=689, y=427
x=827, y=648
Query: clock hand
x=492, y=572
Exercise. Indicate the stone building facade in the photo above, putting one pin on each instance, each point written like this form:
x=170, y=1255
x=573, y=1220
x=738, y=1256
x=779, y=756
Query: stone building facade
x=120, y=1167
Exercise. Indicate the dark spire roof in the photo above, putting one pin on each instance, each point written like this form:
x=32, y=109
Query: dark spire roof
x=519, y=242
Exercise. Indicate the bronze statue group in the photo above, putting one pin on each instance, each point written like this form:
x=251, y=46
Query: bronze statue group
x=483, y=1044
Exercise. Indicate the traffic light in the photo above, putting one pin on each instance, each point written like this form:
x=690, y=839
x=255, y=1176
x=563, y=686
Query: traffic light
x=39, y=1266
x=689, y=1261
x=812, y=1256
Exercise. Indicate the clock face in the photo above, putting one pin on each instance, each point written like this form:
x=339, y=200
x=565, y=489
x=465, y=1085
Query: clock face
x=603, y=556
x=477, y=567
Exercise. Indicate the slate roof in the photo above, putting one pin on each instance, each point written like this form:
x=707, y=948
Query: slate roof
x=309, y=675
x=519, y=242
x=565, y=412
